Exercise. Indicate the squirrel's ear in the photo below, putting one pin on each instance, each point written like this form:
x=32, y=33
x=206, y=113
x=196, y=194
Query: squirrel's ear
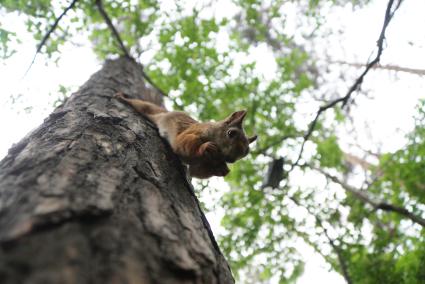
x=236, y=118
x=252, y=138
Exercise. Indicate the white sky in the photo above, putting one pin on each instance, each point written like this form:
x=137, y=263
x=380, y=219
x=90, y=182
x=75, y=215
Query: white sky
x=395, y=95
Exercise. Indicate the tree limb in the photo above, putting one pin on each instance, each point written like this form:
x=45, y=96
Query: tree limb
x=339, y=256
x=389, y=13
x=357, y=161
x=114, y=31
x=376, y=204
x=335, y=247
x=123, y=48
x=147, y=78
x=263, y=150
x=49, y=32
x=390, y=67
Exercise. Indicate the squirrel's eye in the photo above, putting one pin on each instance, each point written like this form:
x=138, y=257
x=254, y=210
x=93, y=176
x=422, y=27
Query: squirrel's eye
x=231, y=133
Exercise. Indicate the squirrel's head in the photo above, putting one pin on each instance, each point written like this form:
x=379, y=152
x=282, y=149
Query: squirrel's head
x=234, y=142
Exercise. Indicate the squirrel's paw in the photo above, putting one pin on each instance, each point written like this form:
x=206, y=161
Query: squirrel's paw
x=119, y=95
x=222, y=171
x=208, y=149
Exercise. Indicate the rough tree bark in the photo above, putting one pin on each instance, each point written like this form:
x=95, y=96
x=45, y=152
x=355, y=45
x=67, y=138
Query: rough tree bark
x=94, y=195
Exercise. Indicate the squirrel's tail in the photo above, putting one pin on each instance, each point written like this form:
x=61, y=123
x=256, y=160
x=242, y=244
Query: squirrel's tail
x=143, y=107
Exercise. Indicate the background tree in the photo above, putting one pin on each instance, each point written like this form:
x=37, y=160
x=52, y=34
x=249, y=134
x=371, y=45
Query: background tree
x=201, y=58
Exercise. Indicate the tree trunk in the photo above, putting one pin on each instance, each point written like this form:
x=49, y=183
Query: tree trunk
x=95, y=196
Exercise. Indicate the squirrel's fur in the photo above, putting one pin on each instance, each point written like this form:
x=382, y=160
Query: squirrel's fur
x=205, y=146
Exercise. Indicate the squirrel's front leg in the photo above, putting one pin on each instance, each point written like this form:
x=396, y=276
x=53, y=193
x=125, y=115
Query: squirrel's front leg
x=209, y=169
x=192, y=149
x=208, y=150
x=141, y=106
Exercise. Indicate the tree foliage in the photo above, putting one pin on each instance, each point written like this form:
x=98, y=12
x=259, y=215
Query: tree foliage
x=202, y=58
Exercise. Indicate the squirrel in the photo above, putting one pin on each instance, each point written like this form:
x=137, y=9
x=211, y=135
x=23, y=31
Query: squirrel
x=206, y=147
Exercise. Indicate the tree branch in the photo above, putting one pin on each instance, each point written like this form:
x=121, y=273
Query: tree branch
x=338, y=252
x=111, y=26
x=49, y=32
x=390, y=67
x=123, y=48
x=263, y=150
x=389, y=13
x=335, y=247
x=147, y=78
x=376, y=204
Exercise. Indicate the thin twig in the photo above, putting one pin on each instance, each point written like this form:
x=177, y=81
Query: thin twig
x=123, y=48
x=114, y=31
x=147, y=78
x=339, y=255
x=49, y=32
x=376, y=204
x=390, y=67
x=344, y=100
x=263, y=150
x=335, y=247
x=388, y=16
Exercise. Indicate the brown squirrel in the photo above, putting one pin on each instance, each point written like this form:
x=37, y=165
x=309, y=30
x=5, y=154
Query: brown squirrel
x=205, y=146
